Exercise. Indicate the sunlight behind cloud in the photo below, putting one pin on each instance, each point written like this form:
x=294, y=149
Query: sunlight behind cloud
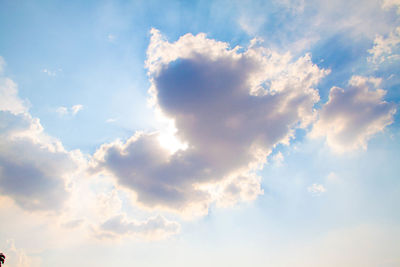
x=229, y=108
x=200, y=133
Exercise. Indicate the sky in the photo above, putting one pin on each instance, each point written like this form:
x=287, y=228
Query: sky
x=200, y=133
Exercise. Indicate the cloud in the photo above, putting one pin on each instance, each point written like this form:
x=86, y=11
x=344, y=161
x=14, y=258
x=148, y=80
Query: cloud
x=231, y=108
x=278, y=159
x=316, y=189
x=154, y=228
x=111, y=120
x=2, y=64
x=353, y=115
x=62, y=110
x=76, y=108
x=385, y=49
x=111, y=38
x=387, y=4
x=17, y=257
x=9, y=100
x=34, y=167
x=299, y=26
x=72, y=110
x=51, y=72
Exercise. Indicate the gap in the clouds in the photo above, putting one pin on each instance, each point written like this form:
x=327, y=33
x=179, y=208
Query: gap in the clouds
x=359, y=185
x=344, y=56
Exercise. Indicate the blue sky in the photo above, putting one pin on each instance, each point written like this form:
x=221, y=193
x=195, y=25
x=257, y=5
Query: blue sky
x=199, y=133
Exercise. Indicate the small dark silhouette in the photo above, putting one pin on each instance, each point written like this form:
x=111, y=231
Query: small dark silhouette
x=2, y=258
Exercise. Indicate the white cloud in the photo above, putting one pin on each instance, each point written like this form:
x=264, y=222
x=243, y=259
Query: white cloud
x=76, y=108
x=299, y=25
x=9, y=100
x=251, y=24
x=63, y=111
x=230, y=108
x=316, y=189
x=386, y=49
x=353, y=115
x=51, y=72
x=387, y=4
x=111, y=120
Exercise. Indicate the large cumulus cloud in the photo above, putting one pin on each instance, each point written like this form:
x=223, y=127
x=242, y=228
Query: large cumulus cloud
x=231, y=107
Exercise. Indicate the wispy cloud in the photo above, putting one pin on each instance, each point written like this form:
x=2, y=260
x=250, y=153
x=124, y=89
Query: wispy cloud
x=76, y=108
x=111, y=120
x=2, y=64
x=111, y=38
x=69, y=111
x=154, y=228
x=316, y=189
x=51, y=72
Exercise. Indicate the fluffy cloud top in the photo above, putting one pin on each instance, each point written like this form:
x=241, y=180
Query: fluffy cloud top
x=231, y=108
x=9, y=100
x=351, y=116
